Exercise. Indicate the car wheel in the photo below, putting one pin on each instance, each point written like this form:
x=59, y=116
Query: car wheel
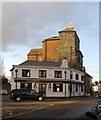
x=18, y=98
x=40, y=98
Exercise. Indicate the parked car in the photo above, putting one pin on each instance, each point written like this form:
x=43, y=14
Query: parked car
x=98, y=106
x=3, y=92
x=18, y=94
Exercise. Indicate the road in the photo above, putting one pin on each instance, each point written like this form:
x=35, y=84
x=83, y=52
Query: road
x=61, y=111
x=74, y=108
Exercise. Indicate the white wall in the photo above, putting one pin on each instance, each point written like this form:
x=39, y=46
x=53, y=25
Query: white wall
x=50, y=75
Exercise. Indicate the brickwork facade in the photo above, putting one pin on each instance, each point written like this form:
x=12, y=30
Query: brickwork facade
x=55, y=49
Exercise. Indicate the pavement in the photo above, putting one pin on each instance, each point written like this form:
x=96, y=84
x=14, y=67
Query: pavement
x=14, y=108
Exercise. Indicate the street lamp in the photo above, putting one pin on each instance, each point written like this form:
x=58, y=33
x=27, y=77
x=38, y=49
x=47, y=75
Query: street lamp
x=65, y=72
x=16, y=71
x=70, y=86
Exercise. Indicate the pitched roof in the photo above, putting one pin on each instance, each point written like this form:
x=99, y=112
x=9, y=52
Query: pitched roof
x=52, y=38
x=35, y=51
x=67, y=30
x=40, y=63
x=88, y=75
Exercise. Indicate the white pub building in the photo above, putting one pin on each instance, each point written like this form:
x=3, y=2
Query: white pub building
x=53, y=79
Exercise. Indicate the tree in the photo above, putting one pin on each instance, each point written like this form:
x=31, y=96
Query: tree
x=96, y=82
x=4, y=80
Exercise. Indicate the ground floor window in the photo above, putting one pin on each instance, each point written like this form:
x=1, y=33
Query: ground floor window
x=26, y=85
x=57, y=87
x=49, y=87
x=76, y=88
x=82, y=88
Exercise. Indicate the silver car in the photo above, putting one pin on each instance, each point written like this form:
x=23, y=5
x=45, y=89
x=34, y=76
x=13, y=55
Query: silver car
x=3, y=92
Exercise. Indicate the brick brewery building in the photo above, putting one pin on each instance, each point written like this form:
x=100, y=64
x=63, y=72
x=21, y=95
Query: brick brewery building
x=55, y=69
x=56, y=48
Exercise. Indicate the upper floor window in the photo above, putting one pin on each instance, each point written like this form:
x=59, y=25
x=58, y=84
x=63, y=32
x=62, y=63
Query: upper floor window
x=56, y=60
x=40, y=59
x=58, y=74
x=71, y=75
x=55, y=49
x=77, y=76
x=61, y=54
x=82, y=78
x=42, y=73
x=25, y=73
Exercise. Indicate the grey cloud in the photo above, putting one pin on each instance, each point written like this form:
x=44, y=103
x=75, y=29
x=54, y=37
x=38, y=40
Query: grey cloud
x=27, y=24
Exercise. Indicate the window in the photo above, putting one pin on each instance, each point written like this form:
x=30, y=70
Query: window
x=77, y=77
x=56, y=60
x=70, y=87
x=71, y=75
x=57, y=74
x=82, y=78
x=61, y=54
x=26, y=85
x=42, y=73
x=33, y=92
x=35, y=86
x=25, y=73
x=39, y=59
x=82, y=88
x=57, y=87
x=55, y=49
x=76, y=88
x=49, y=87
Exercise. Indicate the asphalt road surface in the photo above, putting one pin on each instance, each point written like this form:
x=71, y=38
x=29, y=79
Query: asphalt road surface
x=73, y=110
x=63, y=111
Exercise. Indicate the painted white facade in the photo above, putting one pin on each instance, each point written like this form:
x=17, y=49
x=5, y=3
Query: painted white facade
x=49, y=83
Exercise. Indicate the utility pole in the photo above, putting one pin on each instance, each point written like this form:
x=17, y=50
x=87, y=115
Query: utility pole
x=70, y=70
x=16, y=74
x=65, y=72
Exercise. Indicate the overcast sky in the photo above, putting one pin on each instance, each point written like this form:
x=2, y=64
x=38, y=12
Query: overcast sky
x=26, y=24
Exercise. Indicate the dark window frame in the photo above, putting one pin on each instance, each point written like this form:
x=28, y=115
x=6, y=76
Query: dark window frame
x=71, y=75
x=42, y=73
x=76, y=88
x=25, y=72
x=57, y=86
x=25, y=85
x=77, y=76
x=82, y=88
x=82, y=78
x=57, y=74
x=56, y=49
x=56, y=59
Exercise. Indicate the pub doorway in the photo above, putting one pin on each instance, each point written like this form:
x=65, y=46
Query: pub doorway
x=42, y=88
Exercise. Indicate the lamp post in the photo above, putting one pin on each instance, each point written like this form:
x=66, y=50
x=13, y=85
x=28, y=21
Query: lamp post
x=70, y=87
x=65, y=72
x=16, y=73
